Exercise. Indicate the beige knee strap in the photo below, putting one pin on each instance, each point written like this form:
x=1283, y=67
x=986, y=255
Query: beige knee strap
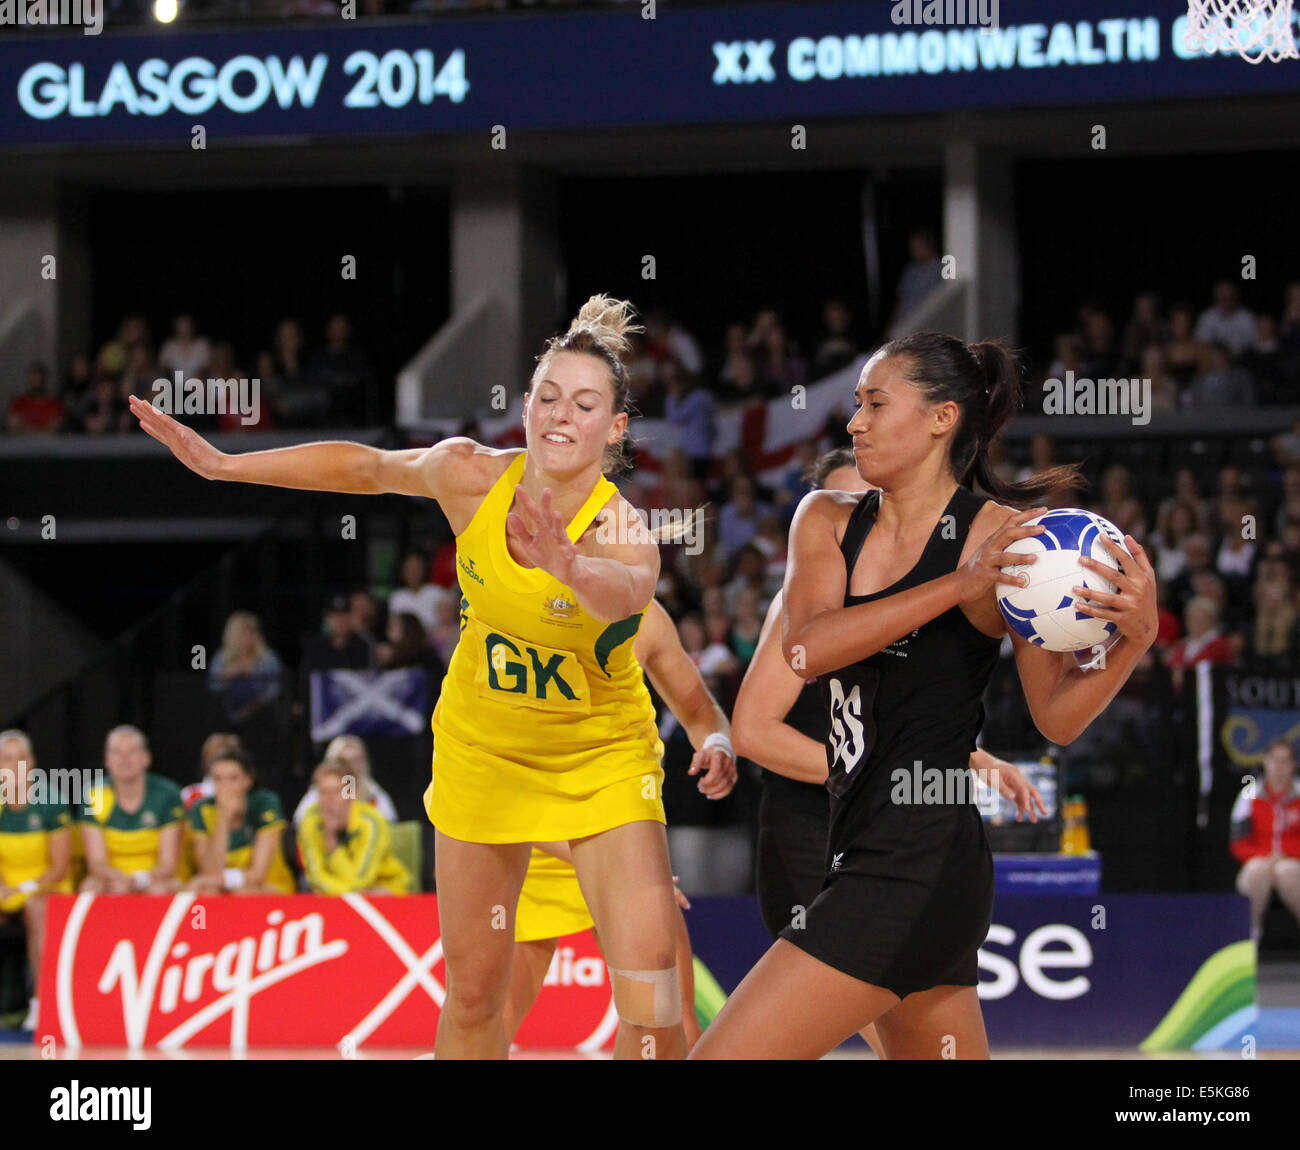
x=648, y=998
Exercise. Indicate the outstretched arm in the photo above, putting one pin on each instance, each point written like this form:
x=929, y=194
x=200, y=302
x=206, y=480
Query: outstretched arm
x=348, y=468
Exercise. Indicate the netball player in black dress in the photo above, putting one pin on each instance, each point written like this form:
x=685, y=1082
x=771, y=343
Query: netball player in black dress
x=890, y=603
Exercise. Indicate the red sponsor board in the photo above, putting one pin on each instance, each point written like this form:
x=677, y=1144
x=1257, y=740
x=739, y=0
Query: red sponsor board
x=293, y=970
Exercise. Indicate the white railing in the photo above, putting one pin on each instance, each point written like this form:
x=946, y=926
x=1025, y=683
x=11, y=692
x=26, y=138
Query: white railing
x=453, y=375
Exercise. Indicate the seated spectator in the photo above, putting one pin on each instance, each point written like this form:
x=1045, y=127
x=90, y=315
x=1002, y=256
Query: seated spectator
x=1286, y=446
x=1118, y=504
x=739, y=517
x=350, y=751
x=689, y=408
x=739, y=384
x=364, y=610
x=1232, y=506
x=676, y=486
x=214, y=746
x=796, y=482
x=346, y=844
x=76, y=389
x=36, y=411
x=1236, y=558
x=1275, y=635
x=747, y=622
x=837, y=348
x=102, y=410
x=1169, y=628
x=446, y=628
x=186, y=351
x=114, y=355
x=238, y=833
x=340, y=648
x=1183, y=351
x=772, y=539
x=1164, y=391
x=35, y=853
x=300, y=401
x=341, y=371
x=1289, y=508
x=666, y=339
x=131, y=824
x=245, y=672
x=1102, y=359
x=713, y=659
x=416, y=595
x=749, y=570
x=1265, y=832
x=406, y=644
x=1167, y=541
x=780, y=366
x=1288, y=338
x=1263, y=363
x=1145, y=328
x=921, y=275
x=1227, y=322
x=1202, y=643
x=1218, y=382
x=1186, y=491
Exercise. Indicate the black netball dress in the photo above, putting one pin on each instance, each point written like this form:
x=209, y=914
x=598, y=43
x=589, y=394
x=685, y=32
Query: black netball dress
x=792, y=818
x=908, y=893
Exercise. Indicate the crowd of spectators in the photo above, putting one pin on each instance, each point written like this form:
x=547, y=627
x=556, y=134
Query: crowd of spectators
x=1223, y=354
x=298, y=386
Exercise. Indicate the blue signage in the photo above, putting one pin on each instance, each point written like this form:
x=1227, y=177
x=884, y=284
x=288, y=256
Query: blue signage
x=568, y=70
x=1154, y=971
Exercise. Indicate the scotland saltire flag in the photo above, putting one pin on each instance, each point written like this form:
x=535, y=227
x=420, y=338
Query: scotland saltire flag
x=369, y=703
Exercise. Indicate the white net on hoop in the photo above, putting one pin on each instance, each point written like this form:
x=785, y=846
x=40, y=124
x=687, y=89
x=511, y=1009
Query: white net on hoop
x=1256, y=29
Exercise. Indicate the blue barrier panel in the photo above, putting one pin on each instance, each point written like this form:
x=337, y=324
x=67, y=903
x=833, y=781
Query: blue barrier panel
x=1159, y=971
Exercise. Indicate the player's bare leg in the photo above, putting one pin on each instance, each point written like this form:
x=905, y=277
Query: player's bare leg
x=627, y=883
x=478, y=890
x=942, y=1022
x=792, y=1005
x=531, y=962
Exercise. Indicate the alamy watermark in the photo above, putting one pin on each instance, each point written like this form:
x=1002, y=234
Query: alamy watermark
x=1078, y=395
x=34, y=786
x=45, y=13
x=918, y=786
x=940, y=13
x=181, y=396
x=661, y=525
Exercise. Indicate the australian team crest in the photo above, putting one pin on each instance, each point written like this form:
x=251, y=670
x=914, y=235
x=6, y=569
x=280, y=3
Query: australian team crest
x=560, y=607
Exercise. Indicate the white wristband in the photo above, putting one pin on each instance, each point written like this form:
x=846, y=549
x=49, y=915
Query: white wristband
x=232, y=878
x=719, y=741
x=141, y=879
x=31, y=886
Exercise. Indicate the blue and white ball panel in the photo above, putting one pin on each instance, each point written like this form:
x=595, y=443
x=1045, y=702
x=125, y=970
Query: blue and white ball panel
x=1043, y=613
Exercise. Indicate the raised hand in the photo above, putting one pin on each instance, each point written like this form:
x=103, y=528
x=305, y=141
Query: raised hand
x=719, y=772
x=1132, y=606
x=184, y=442
x=537, y=535
x=983, y=570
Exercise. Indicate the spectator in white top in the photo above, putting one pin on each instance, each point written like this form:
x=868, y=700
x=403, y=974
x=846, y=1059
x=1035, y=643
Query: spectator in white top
x=1227, y=322
x=415, y=595
x=351, y=752
x=186, y=351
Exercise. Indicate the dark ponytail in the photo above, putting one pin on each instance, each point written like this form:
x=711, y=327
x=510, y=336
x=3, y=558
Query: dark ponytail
x=983, y=380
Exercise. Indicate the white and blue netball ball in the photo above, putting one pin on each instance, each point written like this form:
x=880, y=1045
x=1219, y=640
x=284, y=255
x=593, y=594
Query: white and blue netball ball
x=1043, y=613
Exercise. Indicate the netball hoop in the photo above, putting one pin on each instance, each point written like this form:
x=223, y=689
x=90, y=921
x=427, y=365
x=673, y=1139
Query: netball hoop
x=1255, y=29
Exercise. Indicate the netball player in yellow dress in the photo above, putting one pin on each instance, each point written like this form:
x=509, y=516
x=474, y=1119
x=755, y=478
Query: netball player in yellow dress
x=544, y=730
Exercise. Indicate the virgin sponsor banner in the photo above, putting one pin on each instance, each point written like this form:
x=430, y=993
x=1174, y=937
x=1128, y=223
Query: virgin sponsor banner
x=296, y=970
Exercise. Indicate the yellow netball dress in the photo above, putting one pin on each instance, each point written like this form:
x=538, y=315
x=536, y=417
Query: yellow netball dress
x=551, y=903
x=544, y=729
